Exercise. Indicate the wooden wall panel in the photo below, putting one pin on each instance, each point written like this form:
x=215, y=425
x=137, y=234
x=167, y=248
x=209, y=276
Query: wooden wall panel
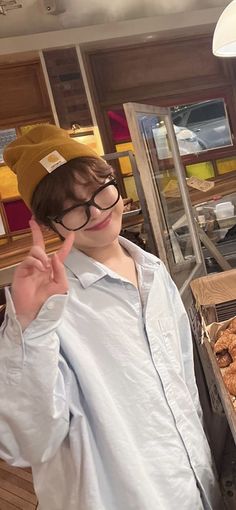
x=122, y=74
x=23, y=94
x=169, y=72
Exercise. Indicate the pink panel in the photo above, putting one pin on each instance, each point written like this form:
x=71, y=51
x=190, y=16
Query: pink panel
x=119, y=126
x=18, y=215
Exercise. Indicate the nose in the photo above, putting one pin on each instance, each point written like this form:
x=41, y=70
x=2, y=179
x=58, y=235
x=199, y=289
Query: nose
x=94, y=212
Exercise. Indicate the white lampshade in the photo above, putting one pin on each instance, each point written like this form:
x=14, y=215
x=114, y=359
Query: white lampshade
x=224, y=38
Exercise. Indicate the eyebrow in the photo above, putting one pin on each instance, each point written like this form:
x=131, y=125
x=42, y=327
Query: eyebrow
x=81, y=201
x=90, y=189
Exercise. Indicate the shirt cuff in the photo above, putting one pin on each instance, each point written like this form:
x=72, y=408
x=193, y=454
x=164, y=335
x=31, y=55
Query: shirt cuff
x=47, y=319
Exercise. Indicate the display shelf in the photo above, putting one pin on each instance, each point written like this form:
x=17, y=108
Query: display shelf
x=223, y=186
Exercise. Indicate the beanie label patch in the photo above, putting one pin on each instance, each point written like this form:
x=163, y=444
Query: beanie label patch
x=52, y=161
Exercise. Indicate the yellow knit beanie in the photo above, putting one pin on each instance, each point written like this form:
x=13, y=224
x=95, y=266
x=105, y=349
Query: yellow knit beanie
x=39, y=152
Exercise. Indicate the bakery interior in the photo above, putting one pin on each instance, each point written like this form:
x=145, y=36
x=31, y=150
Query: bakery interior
x=169, y=129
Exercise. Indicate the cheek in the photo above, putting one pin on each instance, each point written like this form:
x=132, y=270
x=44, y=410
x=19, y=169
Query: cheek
x=60, y=230
x=117, y=212
x=119, y=207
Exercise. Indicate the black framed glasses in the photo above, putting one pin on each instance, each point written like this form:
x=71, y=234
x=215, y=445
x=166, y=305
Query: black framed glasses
x=77, y=216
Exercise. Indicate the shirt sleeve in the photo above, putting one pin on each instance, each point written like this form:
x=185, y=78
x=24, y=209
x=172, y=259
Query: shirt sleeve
x=34, y=413
x=185, y=340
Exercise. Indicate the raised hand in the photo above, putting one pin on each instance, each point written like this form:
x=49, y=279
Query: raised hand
x=38, y=277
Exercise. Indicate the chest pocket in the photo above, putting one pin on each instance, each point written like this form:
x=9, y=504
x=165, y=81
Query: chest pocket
x=171, y=342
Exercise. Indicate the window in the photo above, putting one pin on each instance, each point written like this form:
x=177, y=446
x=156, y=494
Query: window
x=207, y=112
x=206, y=121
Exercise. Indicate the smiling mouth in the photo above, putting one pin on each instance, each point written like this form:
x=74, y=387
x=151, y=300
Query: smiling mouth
x=102, y=224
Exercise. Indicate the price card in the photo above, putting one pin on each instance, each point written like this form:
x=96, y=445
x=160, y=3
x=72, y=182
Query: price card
x=200, y=184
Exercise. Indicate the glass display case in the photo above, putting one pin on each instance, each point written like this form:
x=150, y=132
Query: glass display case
x=218, y=220
x=163, y=193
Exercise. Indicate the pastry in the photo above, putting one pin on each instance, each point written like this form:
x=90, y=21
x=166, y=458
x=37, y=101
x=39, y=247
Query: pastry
x=229, y=377
x=225, y=351
x=232, y=326
x=224, y=359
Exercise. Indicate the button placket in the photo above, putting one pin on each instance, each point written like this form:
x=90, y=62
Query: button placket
x=133, y=296
x=159, y=364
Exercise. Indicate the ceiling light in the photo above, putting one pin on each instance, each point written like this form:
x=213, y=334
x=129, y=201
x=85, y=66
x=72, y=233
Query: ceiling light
x=224, y=38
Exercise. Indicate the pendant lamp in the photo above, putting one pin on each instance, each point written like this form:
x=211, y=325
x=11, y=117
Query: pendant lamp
x=224, y=38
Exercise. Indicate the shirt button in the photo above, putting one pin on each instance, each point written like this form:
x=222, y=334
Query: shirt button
x=50, y=306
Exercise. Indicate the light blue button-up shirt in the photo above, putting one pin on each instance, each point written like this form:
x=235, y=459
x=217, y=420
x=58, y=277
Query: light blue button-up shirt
x=98, y=394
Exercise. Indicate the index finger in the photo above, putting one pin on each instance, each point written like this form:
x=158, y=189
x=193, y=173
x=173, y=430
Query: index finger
x=37, y=235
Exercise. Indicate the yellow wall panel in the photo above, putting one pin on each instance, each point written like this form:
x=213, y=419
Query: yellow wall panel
x=8, y=183
x=130, y=188
x=226, y=165
x=125, y=164
x=203, y=170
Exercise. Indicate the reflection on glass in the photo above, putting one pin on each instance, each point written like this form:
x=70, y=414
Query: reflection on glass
x=187, y=141
x=6, y=136
x=206, y=124
x=176, y=231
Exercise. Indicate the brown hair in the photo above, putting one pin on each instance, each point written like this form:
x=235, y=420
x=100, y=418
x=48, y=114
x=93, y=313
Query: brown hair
x=52, y=191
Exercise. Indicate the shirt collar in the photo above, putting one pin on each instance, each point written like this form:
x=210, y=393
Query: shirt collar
x=89, y=271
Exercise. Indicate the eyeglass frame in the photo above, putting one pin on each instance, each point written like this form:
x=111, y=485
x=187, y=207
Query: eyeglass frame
x=87, y=204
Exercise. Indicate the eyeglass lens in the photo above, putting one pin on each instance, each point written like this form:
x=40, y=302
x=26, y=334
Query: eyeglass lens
x=104, y=199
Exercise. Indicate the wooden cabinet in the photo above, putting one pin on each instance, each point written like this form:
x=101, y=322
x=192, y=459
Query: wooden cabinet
x=23, y=94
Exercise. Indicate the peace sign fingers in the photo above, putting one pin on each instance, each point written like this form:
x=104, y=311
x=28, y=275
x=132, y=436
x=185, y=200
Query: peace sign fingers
x=36, y=234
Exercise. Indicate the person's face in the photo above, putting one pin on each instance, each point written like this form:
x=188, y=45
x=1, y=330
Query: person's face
x=103, y=226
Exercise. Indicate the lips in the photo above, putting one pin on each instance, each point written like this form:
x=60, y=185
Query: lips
x=102, y=224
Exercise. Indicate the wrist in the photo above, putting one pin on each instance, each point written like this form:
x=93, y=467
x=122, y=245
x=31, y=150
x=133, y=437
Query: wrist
x=24, y=320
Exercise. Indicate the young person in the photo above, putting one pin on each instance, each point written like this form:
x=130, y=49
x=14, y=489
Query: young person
x=97, y=387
